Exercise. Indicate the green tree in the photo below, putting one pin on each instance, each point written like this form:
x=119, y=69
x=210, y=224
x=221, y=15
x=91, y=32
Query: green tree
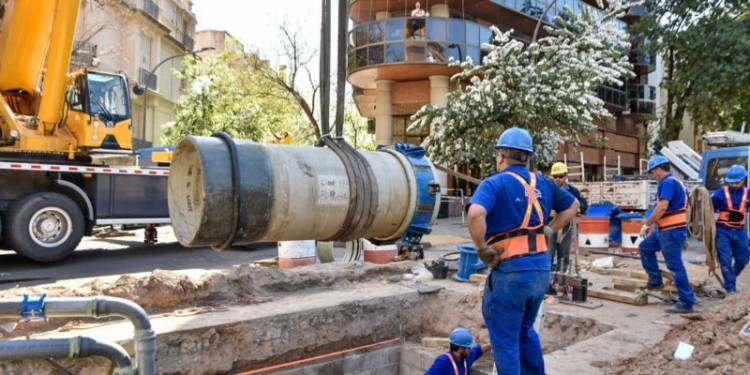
x=228, y=92
x=548, y=87
x=706, y=53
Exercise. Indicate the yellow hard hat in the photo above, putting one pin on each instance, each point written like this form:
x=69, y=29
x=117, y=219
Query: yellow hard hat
x=559, y=168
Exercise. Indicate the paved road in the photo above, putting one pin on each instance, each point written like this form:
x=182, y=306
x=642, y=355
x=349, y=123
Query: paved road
x=105, y=257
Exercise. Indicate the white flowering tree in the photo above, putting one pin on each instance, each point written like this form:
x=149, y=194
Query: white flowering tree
x=548, y=87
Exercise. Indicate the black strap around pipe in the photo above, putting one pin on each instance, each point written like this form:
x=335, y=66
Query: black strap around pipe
x=325, y=66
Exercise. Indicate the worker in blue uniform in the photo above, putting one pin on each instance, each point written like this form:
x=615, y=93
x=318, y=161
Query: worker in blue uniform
x=559, y=242
x=670, y=217
x=731, y=236
x=462, y=355
x=506, y=219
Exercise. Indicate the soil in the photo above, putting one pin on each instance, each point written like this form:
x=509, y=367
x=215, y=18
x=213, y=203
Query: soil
x=719, y=349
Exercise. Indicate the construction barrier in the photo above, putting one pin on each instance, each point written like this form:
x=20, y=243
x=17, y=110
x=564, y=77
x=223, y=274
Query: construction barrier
x=296, y=253
x=631, y=232
x=593, y=233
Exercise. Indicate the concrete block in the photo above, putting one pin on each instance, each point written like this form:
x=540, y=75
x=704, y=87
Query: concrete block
x=436, y=342
x=355, y=363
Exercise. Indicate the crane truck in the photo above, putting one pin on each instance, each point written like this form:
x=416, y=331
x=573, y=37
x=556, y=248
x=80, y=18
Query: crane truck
x=58, y=130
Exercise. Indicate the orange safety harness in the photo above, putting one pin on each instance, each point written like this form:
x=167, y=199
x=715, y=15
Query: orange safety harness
x=455, y=366
x=675, y=219
x=731, y=217
x=523, y=240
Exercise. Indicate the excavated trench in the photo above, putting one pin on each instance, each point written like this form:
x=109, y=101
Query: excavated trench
x=351, y=320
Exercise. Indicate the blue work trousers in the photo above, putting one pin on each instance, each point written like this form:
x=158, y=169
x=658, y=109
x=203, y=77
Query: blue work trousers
x=670, y=243
x=511, y=303
x=733, y=252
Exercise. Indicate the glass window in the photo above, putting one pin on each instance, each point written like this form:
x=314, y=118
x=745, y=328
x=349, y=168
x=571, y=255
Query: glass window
x=436, y=53
x=375, y=55
x=472, y=33
x=485, y=35
x=456, y=31
x=436, y=29
x=108, y=96
x=415, y=51
x=375, y=32
x=456, y=52
x=395, y=29
x=415, y=28
x=360, y=35
x=352, y=64
x=361, y=57
x=717, y=170
x=394, y=52
x=473, y=52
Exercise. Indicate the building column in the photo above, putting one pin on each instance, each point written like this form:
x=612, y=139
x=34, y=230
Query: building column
x=440, y=10
x=439, y=86
x=383, y=113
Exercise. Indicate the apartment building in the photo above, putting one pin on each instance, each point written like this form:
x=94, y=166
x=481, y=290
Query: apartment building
x=399, y=57
x=133, y=36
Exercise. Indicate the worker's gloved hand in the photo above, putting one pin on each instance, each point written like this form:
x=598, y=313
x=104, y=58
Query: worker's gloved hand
x=489, y=256
x=644, y=230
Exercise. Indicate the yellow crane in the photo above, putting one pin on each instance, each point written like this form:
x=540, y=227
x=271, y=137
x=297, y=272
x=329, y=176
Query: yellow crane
x=45, y=109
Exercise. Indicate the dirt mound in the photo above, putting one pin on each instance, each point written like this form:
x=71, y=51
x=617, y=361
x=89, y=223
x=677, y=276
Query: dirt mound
x=719, y=349
x=160, y=289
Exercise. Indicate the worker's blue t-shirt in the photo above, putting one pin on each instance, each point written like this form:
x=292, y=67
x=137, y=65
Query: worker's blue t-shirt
x=720, y=201
x=671, y=189
x=443, y=366
x=505, y=200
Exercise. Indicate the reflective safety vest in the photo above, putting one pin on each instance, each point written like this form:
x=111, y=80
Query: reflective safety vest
x=731, y=217
x=455, y=366
x=675, y=219
x=523, y=240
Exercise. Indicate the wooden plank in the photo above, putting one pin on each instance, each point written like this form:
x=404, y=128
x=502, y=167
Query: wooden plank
x=628, y=284
x=611, y=271
x=638, y=299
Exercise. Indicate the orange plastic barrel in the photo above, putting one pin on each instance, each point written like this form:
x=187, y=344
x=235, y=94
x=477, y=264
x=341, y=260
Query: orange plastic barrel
x=593, y=233
x=631, y=235
x=380, y=254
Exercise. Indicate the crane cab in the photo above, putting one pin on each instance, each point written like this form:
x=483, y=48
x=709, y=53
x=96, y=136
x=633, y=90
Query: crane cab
x=99, y=111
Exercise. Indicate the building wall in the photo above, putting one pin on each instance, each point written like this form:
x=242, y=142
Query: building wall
x=125, y=37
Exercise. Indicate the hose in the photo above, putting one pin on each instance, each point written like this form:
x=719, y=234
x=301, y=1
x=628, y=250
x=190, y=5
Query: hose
x=702, y=226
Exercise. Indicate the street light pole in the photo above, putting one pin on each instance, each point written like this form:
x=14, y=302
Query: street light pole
x=151, y=74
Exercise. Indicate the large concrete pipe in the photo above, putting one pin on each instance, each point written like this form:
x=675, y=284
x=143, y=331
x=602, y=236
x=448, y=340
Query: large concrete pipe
x=294, y=193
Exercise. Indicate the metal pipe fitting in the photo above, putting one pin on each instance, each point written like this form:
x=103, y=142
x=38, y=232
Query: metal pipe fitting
x=76, y=347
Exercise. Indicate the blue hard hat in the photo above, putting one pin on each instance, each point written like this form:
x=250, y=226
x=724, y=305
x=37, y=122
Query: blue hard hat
x=656, y=161
x=735, y=174
x=462, y=337
x=516, y=138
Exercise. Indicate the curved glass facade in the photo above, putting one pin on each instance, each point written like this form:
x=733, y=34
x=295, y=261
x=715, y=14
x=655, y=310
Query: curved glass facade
x=416, y=40
x=642, y=99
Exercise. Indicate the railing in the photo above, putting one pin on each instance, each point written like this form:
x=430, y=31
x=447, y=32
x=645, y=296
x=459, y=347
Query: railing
x=416, y=40
x=151, y=8
x=612, y=95
x=642, y=99
x=147, y=79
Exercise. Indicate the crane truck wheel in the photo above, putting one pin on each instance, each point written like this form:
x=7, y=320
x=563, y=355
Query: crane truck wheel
x=44, y=227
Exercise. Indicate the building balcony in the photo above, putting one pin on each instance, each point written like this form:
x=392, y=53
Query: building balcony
x=152, y=9
x=147, y=79
x=642, y=99
x=187, y=41
x=504, y=13
x=643, y=60
x=613, y=96
x=408, y=48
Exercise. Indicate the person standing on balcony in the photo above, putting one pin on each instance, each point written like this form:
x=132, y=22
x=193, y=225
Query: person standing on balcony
x=731, y=235
x=506, y=217
x=670, y=216
x=560, y=241
x=418, y=11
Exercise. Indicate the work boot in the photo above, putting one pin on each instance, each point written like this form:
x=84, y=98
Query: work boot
x=680, y=309
x=650, y=286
